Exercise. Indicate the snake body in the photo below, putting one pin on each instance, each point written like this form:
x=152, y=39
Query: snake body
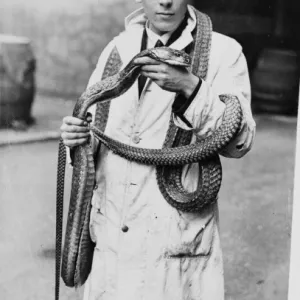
x=77, y=254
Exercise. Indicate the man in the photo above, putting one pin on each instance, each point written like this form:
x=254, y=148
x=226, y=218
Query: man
x=145, y=248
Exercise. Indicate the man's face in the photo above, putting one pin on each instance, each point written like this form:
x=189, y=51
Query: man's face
x=164, y=15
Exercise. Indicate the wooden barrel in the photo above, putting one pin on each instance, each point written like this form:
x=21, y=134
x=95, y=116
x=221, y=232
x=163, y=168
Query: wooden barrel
x=17, y=79
x=275, y=82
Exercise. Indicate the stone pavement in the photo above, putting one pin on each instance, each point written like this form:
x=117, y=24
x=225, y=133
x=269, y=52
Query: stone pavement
x=48, y=113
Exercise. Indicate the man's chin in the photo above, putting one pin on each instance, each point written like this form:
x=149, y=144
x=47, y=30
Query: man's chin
x=164, y=27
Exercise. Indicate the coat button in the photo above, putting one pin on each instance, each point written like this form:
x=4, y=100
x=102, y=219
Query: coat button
x=125, y=228
x=95, y=187
x=136, y=139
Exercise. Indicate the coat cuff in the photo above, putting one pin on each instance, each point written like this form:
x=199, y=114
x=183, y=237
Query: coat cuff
x=181, y=104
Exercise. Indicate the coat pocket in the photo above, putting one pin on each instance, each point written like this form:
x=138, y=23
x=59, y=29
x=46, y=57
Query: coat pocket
x=191, y=237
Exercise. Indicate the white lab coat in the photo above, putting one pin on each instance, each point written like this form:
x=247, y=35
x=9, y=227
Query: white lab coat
x=164, y=254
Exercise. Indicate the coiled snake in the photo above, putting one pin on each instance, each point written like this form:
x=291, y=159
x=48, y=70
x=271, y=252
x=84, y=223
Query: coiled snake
x=78, y=248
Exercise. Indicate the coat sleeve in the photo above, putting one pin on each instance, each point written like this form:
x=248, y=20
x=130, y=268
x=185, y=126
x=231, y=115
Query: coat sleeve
x=94, y=78
x=206, y=111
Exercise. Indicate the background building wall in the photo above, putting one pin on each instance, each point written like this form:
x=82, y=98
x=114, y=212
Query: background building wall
x=67, y=37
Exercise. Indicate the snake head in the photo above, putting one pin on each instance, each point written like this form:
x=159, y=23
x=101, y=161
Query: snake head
x=170, y=56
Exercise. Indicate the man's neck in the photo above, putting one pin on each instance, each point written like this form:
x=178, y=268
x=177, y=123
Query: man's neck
x=158, y=32
x=154, y=30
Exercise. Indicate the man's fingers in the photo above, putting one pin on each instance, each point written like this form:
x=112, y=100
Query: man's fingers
x=73, y=136
x=153, y=68
x=146, y=61
x=152, y=75
x=74, y=128
x=73, y=143
x=69, y=120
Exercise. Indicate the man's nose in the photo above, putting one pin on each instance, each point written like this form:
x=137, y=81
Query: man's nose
x=166, y=3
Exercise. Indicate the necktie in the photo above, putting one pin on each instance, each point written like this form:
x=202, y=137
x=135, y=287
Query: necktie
x=159, y=43
x=143, y=79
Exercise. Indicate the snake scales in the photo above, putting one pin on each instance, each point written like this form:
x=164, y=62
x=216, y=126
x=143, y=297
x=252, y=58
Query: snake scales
x=77, y=255
x=169, y=161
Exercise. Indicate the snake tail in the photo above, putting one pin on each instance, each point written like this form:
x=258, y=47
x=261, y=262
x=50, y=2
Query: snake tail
x=78, y=241
x=59, y=213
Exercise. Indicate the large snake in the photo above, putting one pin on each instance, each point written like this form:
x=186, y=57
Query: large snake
x=78, y=247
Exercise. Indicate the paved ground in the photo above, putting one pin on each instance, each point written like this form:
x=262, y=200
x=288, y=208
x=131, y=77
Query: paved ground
x=27, y=223
x=48, y=113
x=255, y=211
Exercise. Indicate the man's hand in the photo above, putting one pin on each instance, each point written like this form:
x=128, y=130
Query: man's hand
x=74, y=131
x=170, y=78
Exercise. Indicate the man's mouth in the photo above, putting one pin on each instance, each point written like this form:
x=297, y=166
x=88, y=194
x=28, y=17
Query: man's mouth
x=165, y=14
